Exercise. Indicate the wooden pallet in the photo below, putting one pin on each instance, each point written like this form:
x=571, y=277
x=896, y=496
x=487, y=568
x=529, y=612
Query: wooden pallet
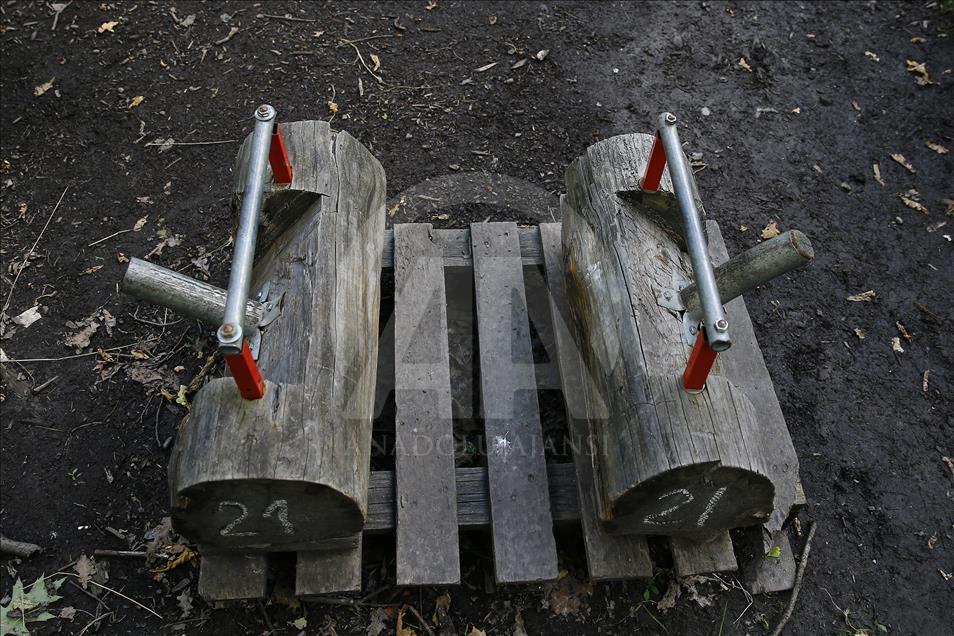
x=426, y=501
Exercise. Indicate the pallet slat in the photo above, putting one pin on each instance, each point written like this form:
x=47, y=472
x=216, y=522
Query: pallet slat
x=456, y=247
x=691, y=557
x=233, y=577
x=318, y=573
x=522, y=526
x=427, y=540
x=607, y=556
x=768, y=570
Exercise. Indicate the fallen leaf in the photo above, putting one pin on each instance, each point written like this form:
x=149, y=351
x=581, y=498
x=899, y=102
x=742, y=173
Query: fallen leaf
x=121, y=258
x=144, y=375
x=299, y=623
x=378, y=622
x=745, y=65
x=42, y=88
x=797, y=110
x=936, y=147
x=28, y=317
x=377, y=62
x=920, y=71
x=950, y=464
x=876, y=169
x=431, y=5
x=899, y=158
x=183, y=557
x=896, y=345
x=184, y=601
x=856, y=105
x=542, y=54
x=135, y=101
x=332, y=107
x=743, y=228
x=486, y=67
x=476, y=632
x=904, y=332
x=140, y=223
x=317, y=34
x=91, y=270
x=86, y=327
x=28, y=606
x=863, y=297
x=107, y=26
x=911, y=198
x=85, y=568
x=775, y=552
x=567, y=595
x=231, y=34
x=860, y=333
x=770, y=230
x=668, y=601
x=872, y=56
x=400, y=629
x=925, y=377
x=181, y=397
x=917, y=40
x=518, y=63
x=169, y=241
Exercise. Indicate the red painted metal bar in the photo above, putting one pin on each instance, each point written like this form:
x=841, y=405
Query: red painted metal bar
x=654, y=167
x=278, y=158
x=700, y=364
x=247, y=376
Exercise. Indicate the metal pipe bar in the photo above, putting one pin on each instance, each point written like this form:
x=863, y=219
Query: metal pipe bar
x=230, y=333
x=755, y=266
x=182, y=294
x=713, y=315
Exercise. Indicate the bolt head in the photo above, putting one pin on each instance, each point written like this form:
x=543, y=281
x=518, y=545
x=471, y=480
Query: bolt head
x=264, y=112
x=668, y=295
x=228, y=329
x=670, y=119
x=722, y=325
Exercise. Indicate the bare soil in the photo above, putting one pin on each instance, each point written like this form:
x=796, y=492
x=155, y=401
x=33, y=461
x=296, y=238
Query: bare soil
x=789, y=136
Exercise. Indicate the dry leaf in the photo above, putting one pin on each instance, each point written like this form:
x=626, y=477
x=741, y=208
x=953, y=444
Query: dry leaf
x=872, y=56
x=476, y=632
x=920, y=71
x=904, y=332
x=317, y=34
x=896, y=345
x=431, y=5
x=85, y=568
x=518, y=63
x=141, y=222
x=486, y=67
x=917, y=40
x=135, y=101
x=856, y=105
x=42, y=88
x=107, y=26
x=924, y=380
x=934, y=227
x=28, y=317
x=797, y=110
x=876, y=169
x=950, y=464
x=898, y=157
x=377, y=62
x=332, y=107
x=911, y=198
x=770, y=231
x=744, y=64
x=567, y=596
x=400, y=629
x=860, y=333
x=936, y=147
x=743, y=228
x=542, y=54
x=863, y=297
x=183, y=557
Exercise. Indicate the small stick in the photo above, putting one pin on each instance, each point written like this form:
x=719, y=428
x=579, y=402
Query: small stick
x=424, y=624
x=120, y=553
x=798, y=582
x=78, y=355
x=363, y=63
x=35, y=243
x=19, y=549
x=287, y=17
x=37, y=389
x=194, y=143
x=106, y=238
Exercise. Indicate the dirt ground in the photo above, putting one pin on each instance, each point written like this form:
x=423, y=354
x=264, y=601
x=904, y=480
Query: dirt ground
x=813, y=116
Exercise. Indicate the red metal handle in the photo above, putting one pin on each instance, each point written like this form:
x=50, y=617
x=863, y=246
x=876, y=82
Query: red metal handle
x=247, y=376
x=654, y=167
x=278, y=158
x=700, y=364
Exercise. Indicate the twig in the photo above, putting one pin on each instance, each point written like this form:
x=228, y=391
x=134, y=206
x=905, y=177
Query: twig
x=20, y=549
x=363, y=63
x=35, y=243
x=424, y=624
x=94, y=621
x=268, y=621
x=37, y=389
x=136, y=554
x=287, y=17
x=120, y=594
x=106, y=238
x=798, y=582
x=56, y=14
x=193, y=143
x=370, y=37
x=78, y=355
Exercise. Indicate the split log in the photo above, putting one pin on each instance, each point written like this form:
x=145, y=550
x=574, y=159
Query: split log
x=291, y=471
x=668, y=462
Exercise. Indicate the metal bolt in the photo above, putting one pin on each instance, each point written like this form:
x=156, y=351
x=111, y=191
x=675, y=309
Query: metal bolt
x=722, y=325
x=670, y=119
x=228, y=329
x=264, y=112
x=692, y=330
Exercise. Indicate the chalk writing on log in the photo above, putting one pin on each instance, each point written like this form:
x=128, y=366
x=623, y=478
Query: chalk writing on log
x=659, y=518
x=278, y=508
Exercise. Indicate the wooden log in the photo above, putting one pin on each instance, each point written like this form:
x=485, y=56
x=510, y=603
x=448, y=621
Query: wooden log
x=669, y=462
x=291, y=470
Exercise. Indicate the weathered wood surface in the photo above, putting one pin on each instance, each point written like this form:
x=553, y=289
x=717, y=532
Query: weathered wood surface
x=607, y=556
x=293, y=468
x=769, y=562
x=455, y=246
x=669, y=462
x=744, y=366
x=233, y=577
x=522, y=527
x=691, y=557
x=318, y=573
x=427, y=543
x=473, y=498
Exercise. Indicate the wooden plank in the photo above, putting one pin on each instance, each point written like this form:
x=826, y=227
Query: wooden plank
x=766, y=568
x=318, y=573
x=233, y=577
x=607, y=556
x=690, y=557
x=745, y=367
x=456, y=247
x=522, y=526
x=427, y=543
x=473, y=498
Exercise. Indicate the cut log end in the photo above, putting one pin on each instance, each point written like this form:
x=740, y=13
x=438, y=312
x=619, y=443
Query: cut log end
x=264, y=514
x=696, y=502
